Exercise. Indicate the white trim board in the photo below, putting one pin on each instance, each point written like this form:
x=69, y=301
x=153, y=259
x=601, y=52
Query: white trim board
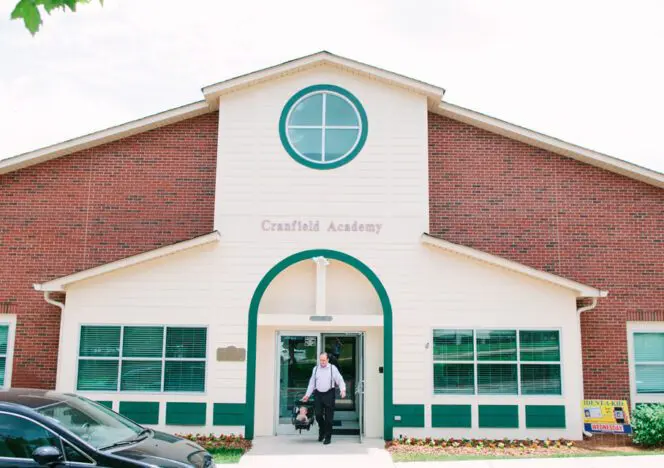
x=60, y=284
x=582, y=290
x=539, y=140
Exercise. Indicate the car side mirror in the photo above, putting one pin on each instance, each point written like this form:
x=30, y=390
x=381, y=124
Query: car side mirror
x=46, y=455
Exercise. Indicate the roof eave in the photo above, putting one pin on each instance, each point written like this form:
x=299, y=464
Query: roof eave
x=60, y=284
x=581, y=289
x=555, y=145
x=101, y=137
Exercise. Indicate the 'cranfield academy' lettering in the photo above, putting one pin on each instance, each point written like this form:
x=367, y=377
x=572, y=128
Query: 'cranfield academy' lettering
x=315, y=226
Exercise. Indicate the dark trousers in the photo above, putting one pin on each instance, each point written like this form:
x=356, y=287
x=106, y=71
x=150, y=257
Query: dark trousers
x=324, y=408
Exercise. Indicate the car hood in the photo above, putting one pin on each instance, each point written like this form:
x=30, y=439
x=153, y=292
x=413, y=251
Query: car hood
x=168, y=451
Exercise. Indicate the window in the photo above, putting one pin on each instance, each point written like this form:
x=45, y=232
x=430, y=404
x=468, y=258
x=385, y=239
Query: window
x=649, y=362
x=496, y=362
x=323, y=127
x=4, y=350
x=19, y=437
x=142, y=359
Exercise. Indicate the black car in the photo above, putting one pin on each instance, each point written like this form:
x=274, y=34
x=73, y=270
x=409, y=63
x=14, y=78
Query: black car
x=45, y=428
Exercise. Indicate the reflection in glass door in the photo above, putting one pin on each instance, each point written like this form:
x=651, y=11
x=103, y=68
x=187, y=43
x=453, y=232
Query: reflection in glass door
x=298, y=355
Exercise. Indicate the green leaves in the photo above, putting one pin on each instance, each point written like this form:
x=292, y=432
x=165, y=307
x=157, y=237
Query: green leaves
x=29, y=10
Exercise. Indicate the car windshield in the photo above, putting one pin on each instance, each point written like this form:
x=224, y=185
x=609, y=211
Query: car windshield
x=92, y=422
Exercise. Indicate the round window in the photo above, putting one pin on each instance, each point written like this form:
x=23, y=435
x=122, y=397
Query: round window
x=323, y=126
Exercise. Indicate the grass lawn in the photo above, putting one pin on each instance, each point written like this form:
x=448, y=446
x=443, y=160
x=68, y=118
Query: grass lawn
x=222, y=455
x=416, y=457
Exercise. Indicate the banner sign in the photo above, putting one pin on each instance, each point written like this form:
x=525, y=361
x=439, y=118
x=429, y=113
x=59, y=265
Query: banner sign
x=606, y=416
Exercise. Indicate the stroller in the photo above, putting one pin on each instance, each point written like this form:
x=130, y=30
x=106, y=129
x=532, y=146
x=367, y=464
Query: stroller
x=299, y=421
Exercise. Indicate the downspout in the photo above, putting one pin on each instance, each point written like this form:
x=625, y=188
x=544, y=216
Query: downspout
x=61, y=306
x=579, y=311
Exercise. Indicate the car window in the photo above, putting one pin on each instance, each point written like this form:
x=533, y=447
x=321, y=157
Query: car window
x=73, y=455
x=95, y=424
x=19, y=437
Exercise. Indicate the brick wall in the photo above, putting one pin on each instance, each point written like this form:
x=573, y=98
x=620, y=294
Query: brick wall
x=559, y=215
x=94, y=207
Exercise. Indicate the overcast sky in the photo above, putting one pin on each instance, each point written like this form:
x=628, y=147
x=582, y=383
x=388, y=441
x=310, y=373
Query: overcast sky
x=588, y=72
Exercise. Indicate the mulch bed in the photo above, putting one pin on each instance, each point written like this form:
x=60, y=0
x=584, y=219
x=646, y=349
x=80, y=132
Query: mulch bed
x=511, y=448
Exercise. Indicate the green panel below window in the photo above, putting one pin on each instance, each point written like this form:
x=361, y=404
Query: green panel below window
x=499, y=416
x=142, y=412
x=409, y=415
x=107, y=403
x=450, y=416
x=185, y=414
x=228, y=414
x=545, y=417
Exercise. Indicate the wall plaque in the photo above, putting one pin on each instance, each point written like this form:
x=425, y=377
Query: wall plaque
x=231, y=354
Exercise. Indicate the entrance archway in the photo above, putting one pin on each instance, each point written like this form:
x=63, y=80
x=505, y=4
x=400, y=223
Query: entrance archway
x=250, y=397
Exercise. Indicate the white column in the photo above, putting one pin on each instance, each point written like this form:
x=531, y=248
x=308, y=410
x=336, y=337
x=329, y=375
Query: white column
x=321, y=270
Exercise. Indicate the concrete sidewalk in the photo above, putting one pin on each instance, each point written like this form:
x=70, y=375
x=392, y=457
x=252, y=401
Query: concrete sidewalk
x=305, y=451
x=640, y=461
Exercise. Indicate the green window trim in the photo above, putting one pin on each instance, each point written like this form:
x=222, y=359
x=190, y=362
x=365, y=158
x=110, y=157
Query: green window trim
x=142, y=359
x=4, y=353
x=648, y=362
x=307, y=130
x=497, y=362
x=388, y=338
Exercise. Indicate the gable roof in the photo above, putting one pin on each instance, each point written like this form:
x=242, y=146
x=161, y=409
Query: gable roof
x=60, y=284
x=433, y=94
x=212, y=93
x=580, y=289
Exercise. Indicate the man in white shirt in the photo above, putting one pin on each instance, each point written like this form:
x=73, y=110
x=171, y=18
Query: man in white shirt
x=324, y=379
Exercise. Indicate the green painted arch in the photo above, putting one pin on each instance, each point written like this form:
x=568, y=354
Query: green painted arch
x=252, y=330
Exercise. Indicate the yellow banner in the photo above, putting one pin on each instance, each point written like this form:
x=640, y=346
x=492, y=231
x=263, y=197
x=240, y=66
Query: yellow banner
x=605, y=412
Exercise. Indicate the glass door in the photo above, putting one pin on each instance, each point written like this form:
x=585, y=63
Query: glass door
x=359, y=391
x=297, y=354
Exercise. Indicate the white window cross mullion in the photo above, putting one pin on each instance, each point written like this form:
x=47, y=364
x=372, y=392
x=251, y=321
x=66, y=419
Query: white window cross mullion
x=163, y=359
x=322, y=154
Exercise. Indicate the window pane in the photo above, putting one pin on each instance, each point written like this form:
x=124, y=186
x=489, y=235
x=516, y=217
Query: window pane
x=141, y=376
x=143, y=342
x=539, y=345
x=3, y=364
x=308, y=112
x=540, y=379
x=100, y=341
x=20, y=437
x=339, y=112
x=496, y=379
x=97, y=375
x=649, y=347
x=338, y=143
x=184, y=376
x=4, y=337
x=186, y=342
x=309, y=142
x=496, y=345
x=650, y=378
x=453, y=345
x=454, y=379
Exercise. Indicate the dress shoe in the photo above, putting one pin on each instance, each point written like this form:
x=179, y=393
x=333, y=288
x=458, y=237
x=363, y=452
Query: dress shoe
x=320, y=437
x=327, y=441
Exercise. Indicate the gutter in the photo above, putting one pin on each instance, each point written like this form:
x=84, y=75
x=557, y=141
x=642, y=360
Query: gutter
x=61, y=306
